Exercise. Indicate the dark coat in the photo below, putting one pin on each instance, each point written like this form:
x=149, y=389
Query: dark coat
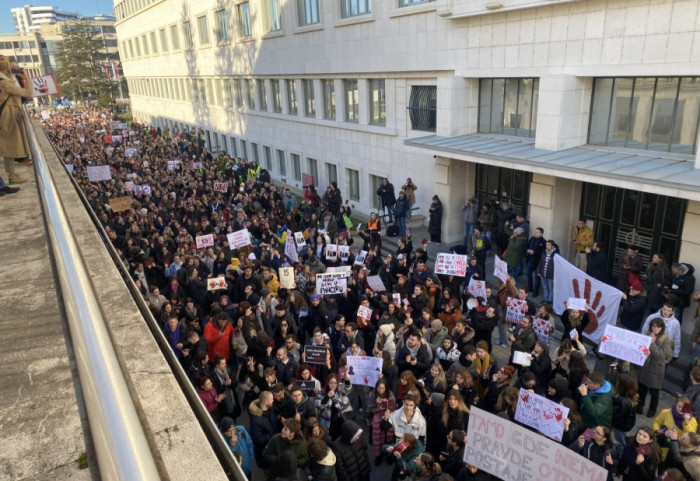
x=632, y=312
x=275, y=449
x=263, y=425
x=597, y=263
x=422, y=361
x=352, y=458
x=435, y=223
x=402, y=207
x=386, y=194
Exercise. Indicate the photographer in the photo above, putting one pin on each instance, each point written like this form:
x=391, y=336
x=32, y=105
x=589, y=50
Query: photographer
x=471, y=215
x=13, y=138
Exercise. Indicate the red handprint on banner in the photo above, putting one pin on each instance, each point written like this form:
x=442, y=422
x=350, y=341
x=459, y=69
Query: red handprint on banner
x=595, y=310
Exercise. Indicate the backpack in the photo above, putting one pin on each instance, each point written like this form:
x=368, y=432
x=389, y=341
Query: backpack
x=392, y=230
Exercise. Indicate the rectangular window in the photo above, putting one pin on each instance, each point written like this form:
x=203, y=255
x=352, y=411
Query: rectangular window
x=352, y=184
x=296, y=165
x=422, y=108
x=267, y=154
x=244, y=29
x=307, y=11
x=131, y=47
x=282, y=162
x=237, y=94
x=218, y=98
x=262, y=95
x=328, y=99
x=221, y=30
x=276, y=96
x=187, y=34
x=331, y=173
x=273, y=15
x=648, y=113
x=352, y=108
x=353, y=8
x=255, y=152
x=508, y=106
x=144, y=44
x=174, y=37
x=203, y=30
x=225, y=92
x=163, y=40
x=377, y=102
x=244, y=149
x=292, y=97
x=309, y=101
x=250, y=92
x=203, y=91
x=234, y=148
x=313, y=169
x=154, y=43
x=408, y=3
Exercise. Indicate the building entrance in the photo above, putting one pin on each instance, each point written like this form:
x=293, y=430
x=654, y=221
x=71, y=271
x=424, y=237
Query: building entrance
x=498, y=184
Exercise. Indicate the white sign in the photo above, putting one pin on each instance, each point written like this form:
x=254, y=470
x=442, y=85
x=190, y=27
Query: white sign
x=238, y=239
x=477, y=288
x=45, y=114
x=146, y=190
x=577, y=304
x=541, y=327
x=173, y=165
x=331, y=252
x=204, y=241
x=290, y=249
x=364, y=370
x=220, y=187
x=109, y=150
x=97, y=173
x=81, y=140
x=129, y=186
x=299, y=240
x=196, y=165
x=344, y=252
x=69, y=168
x=346, y=270
x=376, y=284
x=287, y=278
x=130, y=151
x=542, y=414
x=603, y=300
x=512, y=452
x=44, y=85
x=360, y=259
x=500, y=269
x=522, y=358
x=626, y=345
x=364, y=312
x=451, y=264
x=516, y=310
x=216, y=283
x=331, y=283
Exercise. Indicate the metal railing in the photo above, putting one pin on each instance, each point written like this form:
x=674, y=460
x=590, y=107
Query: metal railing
x=120, y=444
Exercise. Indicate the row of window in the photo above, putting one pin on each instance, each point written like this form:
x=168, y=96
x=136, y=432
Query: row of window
x=24, y=58
x=17, y=44
x=271, y=95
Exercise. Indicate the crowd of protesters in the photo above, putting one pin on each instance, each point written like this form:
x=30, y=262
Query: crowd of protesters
x=243, y=345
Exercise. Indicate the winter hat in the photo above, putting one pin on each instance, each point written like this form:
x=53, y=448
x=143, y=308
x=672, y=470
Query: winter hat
x=226, y=424
x=316, y=297
x=636, y=285
x=543, y=344
x=519, y=231
x=264, y=292
x=436, y=323
x=386, y=329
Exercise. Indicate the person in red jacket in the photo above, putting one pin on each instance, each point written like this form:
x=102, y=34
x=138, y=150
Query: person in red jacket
x=218, y=333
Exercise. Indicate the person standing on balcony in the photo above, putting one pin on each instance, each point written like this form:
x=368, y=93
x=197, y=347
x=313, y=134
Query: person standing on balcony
x=388, y=198
x=13, y=138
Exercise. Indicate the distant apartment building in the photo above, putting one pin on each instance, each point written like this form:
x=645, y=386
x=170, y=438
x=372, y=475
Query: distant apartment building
x=30, y=17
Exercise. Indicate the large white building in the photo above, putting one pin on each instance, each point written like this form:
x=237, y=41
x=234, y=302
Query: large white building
x=565, y=108
x=30, y=17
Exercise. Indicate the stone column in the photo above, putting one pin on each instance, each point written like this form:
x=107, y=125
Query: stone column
x=454, y=183
x=562, y=111
x=690, y=253
x=457, y=105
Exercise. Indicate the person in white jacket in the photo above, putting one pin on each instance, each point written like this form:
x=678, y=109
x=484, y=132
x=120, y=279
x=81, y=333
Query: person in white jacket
x=407, y=419
x=673, y=327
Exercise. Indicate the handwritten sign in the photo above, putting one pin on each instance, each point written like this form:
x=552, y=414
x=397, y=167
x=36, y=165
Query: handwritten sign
x=360, y=259
x=220, y=187
x=331, y=252
x=129, y=186
x=451, y=264
x=500, y=269
x=331, y=283
x=522, y=358
x=626, y=345
x=196, y=165
x=542, y=414
x=216, y=283
x=515, y=310
x=130, y=151
x=204, y=241
x=287, y=278
x=364, y=312
x=346, y=270
x=510, y=451
x=541, y=327
x=146, y=189
x=477, y=288
x=173, y=165
x=44, y=85
x=290, y=249
x=119, y=204
x=364, y=370
x=315, y=354
x=97, y=173
x=344, y=252
x=299, y=239
x=238, y=239
x=376, y=284
x=109, y=150
x=577, y=304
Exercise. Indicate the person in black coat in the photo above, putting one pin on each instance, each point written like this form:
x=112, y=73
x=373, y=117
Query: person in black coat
x=319, y=316
x=597, y=261
x=435, y=223
x=386, y=194
x=321, y=466
x=633, y=307
x=483, y=320
x=472, y=473
x=263, y=425
x=533, y=253
x=413, y=356
x=352, y=454
x=541, y=366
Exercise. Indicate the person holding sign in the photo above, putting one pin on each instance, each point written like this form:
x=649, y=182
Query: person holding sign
x=523, y=338
x=13, y=137
x=334, y=403
x=651, y=376
x=574, y=319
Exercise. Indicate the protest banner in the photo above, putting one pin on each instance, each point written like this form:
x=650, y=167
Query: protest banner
x=346, y=270
x=146, y=190
x=577, y=304
x=515, y=310
x=132, y=133
x=196, y=165
x=306, y=386
x=299, y=240
x=626, y=345
x=290, y=249
x=138, y=190
x=238, y=239
x=173, y=165
x=376, y=284
x=125, y=133
x=216, y=283
x=364, y=370
x=45, y=114
x=360, y=259
x=477, y=288
x=541, y=328
x=97, y=173
x=129, y=186
x=109, y=150
x=522, y=358
x=130, y=152
x=287, y=278
x=131, y=176
x=220, y=187
x=116, y=138
x=331, y=252
x=119, y=204
x=115, y=125
x=204, y=241
x=364, y=312
x=44, y=85
x=603, y=300
x=540, y=413
x=344, y=253
x=500, y=269
x=509, y=451
x=331, y=283
x=315, y=354
x=451, y=264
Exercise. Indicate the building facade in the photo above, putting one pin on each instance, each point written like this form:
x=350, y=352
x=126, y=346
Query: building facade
x=30, y=17
x=562, y=108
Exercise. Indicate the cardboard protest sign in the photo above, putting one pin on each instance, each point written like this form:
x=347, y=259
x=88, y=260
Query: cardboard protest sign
x=331, y=283
x=500, y=269
x=344, y=253
x=130, y=152
x=44, y=85
x=315, y=354
x=97, y=173
x=626, y=345
x=290, y=249
x=173, y=165
x=541, y=328
x=220, y=187
x=364, y=312
x=577, y=304
x=542, y=414
x=522, y=358
x=477, y=288
x=119, y=204
x=364, y=370
x=451, y=264
x=360, y=259
x=204, y=241
x=238, y=239
x=331, y=252
x=299, y=240
x=510, y=451
x=516, y=310
x=216, y=283
x=376, y=284
x=287, y=278
x=346, y=270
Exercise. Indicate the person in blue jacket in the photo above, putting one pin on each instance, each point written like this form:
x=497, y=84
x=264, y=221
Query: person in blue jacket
x=239, y=441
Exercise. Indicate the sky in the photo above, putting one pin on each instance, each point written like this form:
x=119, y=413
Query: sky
x=83, y=7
